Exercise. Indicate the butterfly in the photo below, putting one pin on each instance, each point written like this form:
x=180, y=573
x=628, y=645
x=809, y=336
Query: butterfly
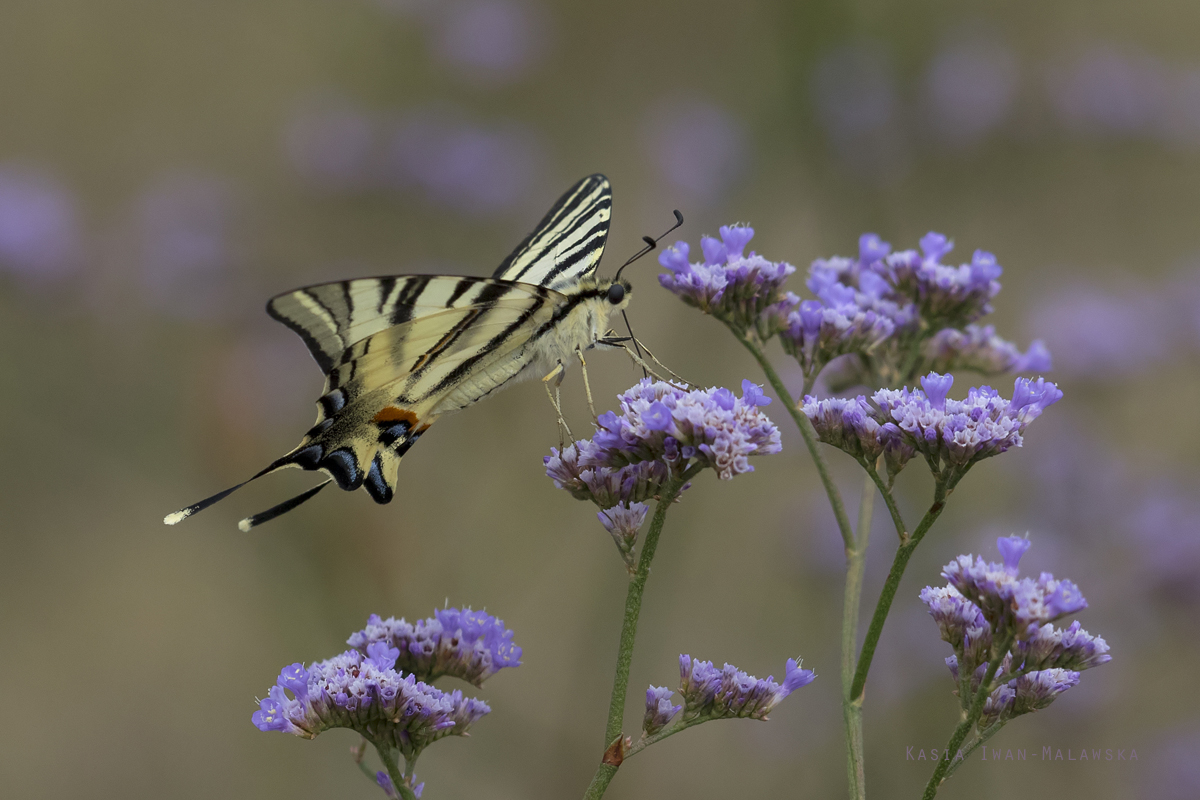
x=398, y=352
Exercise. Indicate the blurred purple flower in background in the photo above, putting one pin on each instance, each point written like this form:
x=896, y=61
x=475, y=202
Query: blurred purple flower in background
x=1164, y=526
x=39, y=223
x=332, y=144
x=471, y=168
x=1093, y=332
x=264, y=383
x=490, y=41
x=970, y=88
x=1182, y=123
x=1177, y=770
x=408, y=8
x=1183, y=295
x=1109, y=90
x=184, y=223
x=696, y=147
x=476, y=168
x=486, y=42
x=857, y=103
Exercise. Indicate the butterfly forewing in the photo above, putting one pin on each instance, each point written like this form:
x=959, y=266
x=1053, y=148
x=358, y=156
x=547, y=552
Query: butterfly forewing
x=330, y=317
x=568, y=242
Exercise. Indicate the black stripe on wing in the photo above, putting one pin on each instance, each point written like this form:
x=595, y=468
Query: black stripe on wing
x=567, y=244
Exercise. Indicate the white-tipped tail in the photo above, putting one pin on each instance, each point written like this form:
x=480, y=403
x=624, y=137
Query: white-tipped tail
x=177, y=517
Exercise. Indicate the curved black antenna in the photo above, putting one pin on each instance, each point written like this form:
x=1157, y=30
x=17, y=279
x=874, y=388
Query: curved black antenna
x=651, y=243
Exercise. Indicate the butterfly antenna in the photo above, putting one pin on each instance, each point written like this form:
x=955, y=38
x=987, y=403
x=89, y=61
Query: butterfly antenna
x=284, y=507
x=651, y=243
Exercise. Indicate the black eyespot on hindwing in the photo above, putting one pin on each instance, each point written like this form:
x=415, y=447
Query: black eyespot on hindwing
x=343, y=466
x=309, y=457
x=375, y=484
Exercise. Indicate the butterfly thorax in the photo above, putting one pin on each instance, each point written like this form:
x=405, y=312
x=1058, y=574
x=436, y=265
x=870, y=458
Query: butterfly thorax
x=581, y=316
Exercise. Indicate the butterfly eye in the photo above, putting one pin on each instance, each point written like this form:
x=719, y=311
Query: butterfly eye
x=616, y=293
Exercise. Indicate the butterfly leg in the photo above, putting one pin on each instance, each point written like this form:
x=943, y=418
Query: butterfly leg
x=587, y=387
x=654, y=358
x=557, y=374
x=639, y=361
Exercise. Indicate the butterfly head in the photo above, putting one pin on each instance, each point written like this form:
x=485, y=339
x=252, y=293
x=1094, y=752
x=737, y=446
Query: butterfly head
x=617, y=293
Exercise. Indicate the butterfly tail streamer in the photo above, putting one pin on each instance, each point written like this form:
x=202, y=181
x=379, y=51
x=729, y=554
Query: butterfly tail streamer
x=284, y=507
x=343, y=465
x=182, y=514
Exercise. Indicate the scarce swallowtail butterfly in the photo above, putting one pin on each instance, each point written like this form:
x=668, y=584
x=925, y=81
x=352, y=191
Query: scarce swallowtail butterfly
x=398, y=352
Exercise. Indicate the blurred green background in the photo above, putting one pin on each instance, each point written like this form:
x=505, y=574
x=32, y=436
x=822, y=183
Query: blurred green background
x=165, y=167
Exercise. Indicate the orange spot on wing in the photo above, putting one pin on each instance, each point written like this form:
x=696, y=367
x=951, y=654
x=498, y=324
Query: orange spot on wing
x=393, y=414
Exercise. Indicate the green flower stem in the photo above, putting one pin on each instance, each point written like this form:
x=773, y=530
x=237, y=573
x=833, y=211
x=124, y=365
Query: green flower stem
x=809, y=434
x=972, y=747
x=358, y=751
x=670, y=730
x=907, y=545
x=873, y=476
x=969, y=721
x=856, y=560
x=388, y=757
x=633, y=606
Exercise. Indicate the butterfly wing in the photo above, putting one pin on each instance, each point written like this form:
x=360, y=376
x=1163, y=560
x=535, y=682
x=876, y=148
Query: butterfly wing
x=398, y=352
x=567, y=244
x=388, y=388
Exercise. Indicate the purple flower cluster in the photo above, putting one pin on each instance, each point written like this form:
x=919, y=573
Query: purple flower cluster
x=946, y=296
x=817, y=331
x=661, y=432
x=1031, y=691
x=979, y=349
x=1009, y=602
x=366, y=694
x=735, y=288
x=883, y=308
x=882, y=305
x=728, y=693
x=461, y=643
x=856, y=311
x=951, y=434
x=988, y=603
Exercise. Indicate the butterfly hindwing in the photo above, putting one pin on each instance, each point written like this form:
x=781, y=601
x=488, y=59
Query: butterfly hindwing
x=388, y=388
x=567, y=244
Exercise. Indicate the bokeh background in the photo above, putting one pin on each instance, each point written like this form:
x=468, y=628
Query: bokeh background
x=165, y=167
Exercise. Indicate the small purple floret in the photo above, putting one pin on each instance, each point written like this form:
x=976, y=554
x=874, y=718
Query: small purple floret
x=1011, y=549
x=659, y=709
